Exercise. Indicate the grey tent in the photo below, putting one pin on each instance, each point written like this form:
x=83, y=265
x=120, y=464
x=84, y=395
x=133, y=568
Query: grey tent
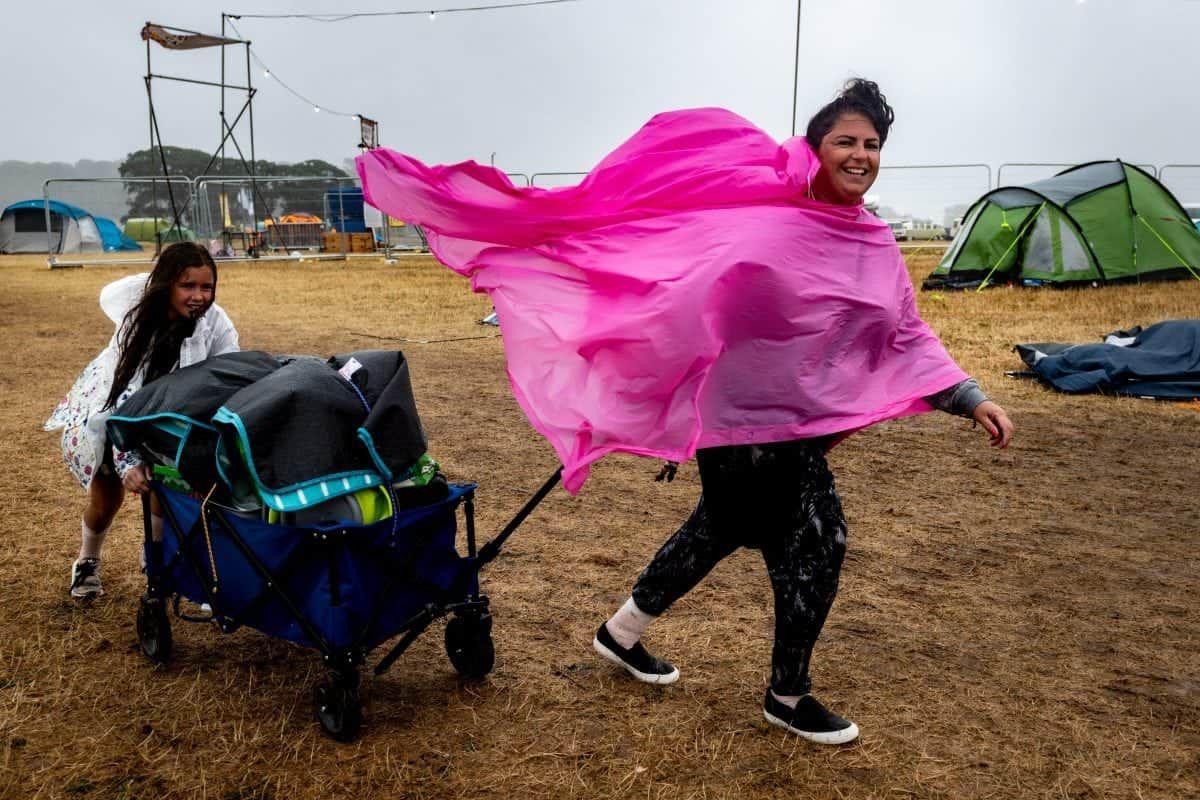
x=72, y=230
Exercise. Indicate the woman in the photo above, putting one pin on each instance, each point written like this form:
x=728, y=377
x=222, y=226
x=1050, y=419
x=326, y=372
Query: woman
x=165, y=320
x=705, y=291
x=780, y=496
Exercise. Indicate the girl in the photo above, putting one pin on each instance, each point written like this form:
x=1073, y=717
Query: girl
x=164, y=321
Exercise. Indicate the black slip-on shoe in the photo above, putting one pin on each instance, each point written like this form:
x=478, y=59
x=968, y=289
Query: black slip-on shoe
x=809, y=720
x=636, y=660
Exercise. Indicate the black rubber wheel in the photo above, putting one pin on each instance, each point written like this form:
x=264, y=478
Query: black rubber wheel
x=154, y=630
x=338, y=709
x=469, y=644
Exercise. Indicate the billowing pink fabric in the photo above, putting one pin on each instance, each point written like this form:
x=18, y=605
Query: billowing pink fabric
x=686, y=294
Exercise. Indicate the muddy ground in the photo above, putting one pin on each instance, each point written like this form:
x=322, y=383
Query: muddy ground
x=1017, y=624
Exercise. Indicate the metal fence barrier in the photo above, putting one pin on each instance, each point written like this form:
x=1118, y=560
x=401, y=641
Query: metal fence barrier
x=554, y=176
x=1052, y=166
x=225, y=209
x=163, y=190
x=1184, y=182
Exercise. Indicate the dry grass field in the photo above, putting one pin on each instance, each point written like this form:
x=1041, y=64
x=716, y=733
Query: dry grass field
x=1017, y=624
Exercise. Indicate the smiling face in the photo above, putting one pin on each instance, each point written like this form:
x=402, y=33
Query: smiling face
x=849, y=156
x=192, y=293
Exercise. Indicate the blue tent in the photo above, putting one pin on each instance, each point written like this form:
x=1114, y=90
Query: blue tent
x=72, y=230
x=113, y=237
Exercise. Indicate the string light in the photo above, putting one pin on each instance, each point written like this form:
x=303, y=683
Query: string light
x=354, y=15
x=432, y=14
x=316, y=107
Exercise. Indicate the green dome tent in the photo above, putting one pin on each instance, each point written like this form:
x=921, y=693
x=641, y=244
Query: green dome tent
x=1103, y=222
x=145, y=229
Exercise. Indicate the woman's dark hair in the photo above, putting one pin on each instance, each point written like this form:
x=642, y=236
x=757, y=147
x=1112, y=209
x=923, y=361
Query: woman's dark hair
x=148, y=334
x=858, y=96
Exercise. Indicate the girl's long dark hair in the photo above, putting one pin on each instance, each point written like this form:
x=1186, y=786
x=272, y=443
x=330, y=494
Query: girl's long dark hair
x=148, y=335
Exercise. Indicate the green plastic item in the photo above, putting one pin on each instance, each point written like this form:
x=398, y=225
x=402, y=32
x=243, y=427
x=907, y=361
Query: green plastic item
x=170, y=478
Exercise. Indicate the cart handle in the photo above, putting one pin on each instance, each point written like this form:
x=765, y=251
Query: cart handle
x=492, y=548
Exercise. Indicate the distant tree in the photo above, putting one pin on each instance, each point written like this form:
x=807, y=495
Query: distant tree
x=275, y=197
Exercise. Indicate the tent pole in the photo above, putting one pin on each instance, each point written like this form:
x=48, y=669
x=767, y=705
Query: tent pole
x=796, y=67
x=221, y=153
x=150, y=120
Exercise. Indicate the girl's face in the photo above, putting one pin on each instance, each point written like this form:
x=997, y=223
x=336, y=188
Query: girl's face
x=192, y=293
x=849, y=156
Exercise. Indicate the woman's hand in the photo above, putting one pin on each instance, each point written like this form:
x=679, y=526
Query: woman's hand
x=137, y=479
x=997, y=424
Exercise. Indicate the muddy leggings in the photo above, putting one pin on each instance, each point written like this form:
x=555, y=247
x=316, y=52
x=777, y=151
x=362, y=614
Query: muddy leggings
x=778, y=497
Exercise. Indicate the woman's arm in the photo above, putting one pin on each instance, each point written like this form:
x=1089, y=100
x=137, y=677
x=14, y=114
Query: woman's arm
x=966, y=399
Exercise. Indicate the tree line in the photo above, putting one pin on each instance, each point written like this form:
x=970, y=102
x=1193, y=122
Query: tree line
x=274, y=197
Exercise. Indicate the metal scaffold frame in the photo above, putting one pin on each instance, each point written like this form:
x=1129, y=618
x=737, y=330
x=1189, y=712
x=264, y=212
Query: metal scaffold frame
x=173, y=38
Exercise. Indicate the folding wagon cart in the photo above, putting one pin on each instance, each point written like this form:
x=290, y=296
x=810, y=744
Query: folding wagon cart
x=343, y=590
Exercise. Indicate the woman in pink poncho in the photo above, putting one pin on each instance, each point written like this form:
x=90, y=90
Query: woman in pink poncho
x=779, y=496
x=706, y=291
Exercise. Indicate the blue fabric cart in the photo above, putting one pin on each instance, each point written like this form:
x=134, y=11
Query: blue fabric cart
x=342, y=590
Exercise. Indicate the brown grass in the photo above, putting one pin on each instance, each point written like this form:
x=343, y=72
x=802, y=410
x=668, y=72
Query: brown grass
x=1020, y=624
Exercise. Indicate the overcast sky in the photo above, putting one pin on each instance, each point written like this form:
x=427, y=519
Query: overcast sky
x=553, y=88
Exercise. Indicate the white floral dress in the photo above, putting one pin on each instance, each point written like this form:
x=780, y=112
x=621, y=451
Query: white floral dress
x=81, y=414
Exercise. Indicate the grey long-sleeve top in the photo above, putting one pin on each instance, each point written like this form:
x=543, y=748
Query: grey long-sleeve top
x=960, y=399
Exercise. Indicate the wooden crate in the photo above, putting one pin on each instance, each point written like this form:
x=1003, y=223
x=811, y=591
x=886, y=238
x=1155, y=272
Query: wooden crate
x=334, y=242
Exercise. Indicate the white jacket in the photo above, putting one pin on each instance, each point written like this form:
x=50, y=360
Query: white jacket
x=81, y=414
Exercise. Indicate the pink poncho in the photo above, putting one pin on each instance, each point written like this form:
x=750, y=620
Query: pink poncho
x=686, y=294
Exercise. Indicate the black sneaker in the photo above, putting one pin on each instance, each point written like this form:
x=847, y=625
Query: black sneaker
x=636, y=661
x=85, y=579
x=809, y=720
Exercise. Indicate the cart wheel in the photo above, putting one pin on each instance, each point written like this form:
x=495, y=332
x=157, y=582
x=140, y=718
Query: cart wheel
x=338, y=709
x=469, y=644
x=154, y=630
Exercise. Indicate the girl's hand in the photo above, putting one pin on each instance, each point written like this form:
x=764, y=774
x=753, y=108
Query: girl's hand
x=997, y=424
x=137, y=479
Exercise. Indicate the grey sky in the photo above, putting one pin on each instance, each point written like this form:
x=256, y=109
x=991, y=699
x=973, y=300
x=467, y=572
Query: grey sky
x=555, y=87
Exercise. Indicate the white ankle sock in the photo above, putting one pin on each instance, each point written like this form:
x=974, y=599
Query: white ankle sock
x=628, y=624
x=788, y=700
x=156, y=527
x=90, y=542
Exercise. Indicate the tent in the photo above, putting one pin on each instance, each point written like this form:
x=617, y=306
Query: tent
x=72, y=230
x=143, y=229
x=1101, y=222
x=112, y=237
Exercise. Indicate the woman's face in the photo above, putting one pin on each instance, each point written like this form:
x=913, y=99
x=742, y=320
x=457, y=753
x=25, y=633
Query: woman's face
x=192, y=293
x=849, y=156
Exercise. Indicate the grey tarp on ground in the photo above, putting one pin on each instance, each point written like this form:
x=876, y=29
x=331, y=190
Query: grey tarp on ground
x=1160, y=362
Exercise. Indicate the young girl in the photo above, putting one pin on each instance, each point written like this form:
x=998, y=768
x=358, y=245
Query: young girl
x=164, y=320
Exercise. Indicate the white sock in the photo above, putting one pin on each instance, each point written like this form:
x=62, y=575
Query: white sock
x=90, y=542
x=628, y=624
x=788, y=700
x=156, y=528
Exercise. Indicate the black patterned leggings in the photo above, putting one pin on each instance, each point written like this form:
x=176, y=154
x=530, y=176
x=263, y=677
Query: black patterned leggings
x=778, y=497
